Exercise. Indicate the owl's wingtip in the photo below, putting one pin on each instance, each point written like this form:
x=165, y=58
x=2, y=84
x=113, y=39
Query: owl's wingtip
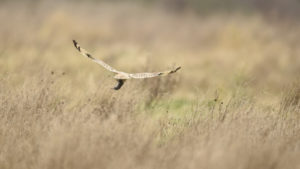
x=177, y=68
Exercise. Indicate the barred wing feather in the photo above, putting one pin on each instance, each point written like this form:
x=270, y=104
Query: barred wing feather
x=100, y=62
x=150, y=75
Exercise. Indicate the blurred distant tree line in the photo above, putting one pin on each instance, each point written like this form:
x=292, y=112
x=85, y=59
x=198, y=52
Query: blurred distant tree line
x=268, y=7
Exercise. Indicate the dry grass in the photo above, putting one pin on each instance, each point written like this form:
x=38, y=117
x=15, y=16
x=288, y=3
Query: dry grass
x=225, y=109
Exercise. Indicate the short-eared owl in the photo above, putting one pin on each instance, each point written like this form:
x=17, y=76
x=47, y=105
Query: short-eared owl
x=121, y=77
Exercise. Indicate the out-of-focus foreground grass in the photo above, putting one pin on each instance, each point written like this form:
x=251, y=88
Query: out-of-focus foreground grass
x=234, y=104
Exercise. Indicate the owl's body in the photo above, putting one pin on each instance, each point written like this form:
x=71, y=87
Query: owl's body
x=122, y=75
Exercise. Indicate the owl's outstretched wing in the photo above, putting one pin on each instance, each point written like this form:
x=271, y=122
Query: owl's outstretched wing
x=122, y=75
x=100, y=62
x=150, y=75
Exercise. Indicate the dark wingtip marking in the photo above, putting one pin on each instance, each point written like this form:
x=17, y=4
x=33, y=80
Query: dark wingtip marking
x=88, y=55
x=173, y=71
x=177, y=68
x=76, y=45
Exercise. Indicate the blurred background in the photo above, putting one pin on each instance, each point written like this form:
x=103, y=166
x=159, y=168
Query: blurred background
x=219, y=44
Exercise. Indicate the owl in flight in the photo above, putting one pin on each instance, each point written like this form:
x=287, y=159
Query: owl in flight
x=121, y=77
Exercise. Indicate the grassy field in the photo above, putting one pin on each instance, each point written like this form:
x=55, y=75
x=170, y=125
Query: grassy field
x=234, y=104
